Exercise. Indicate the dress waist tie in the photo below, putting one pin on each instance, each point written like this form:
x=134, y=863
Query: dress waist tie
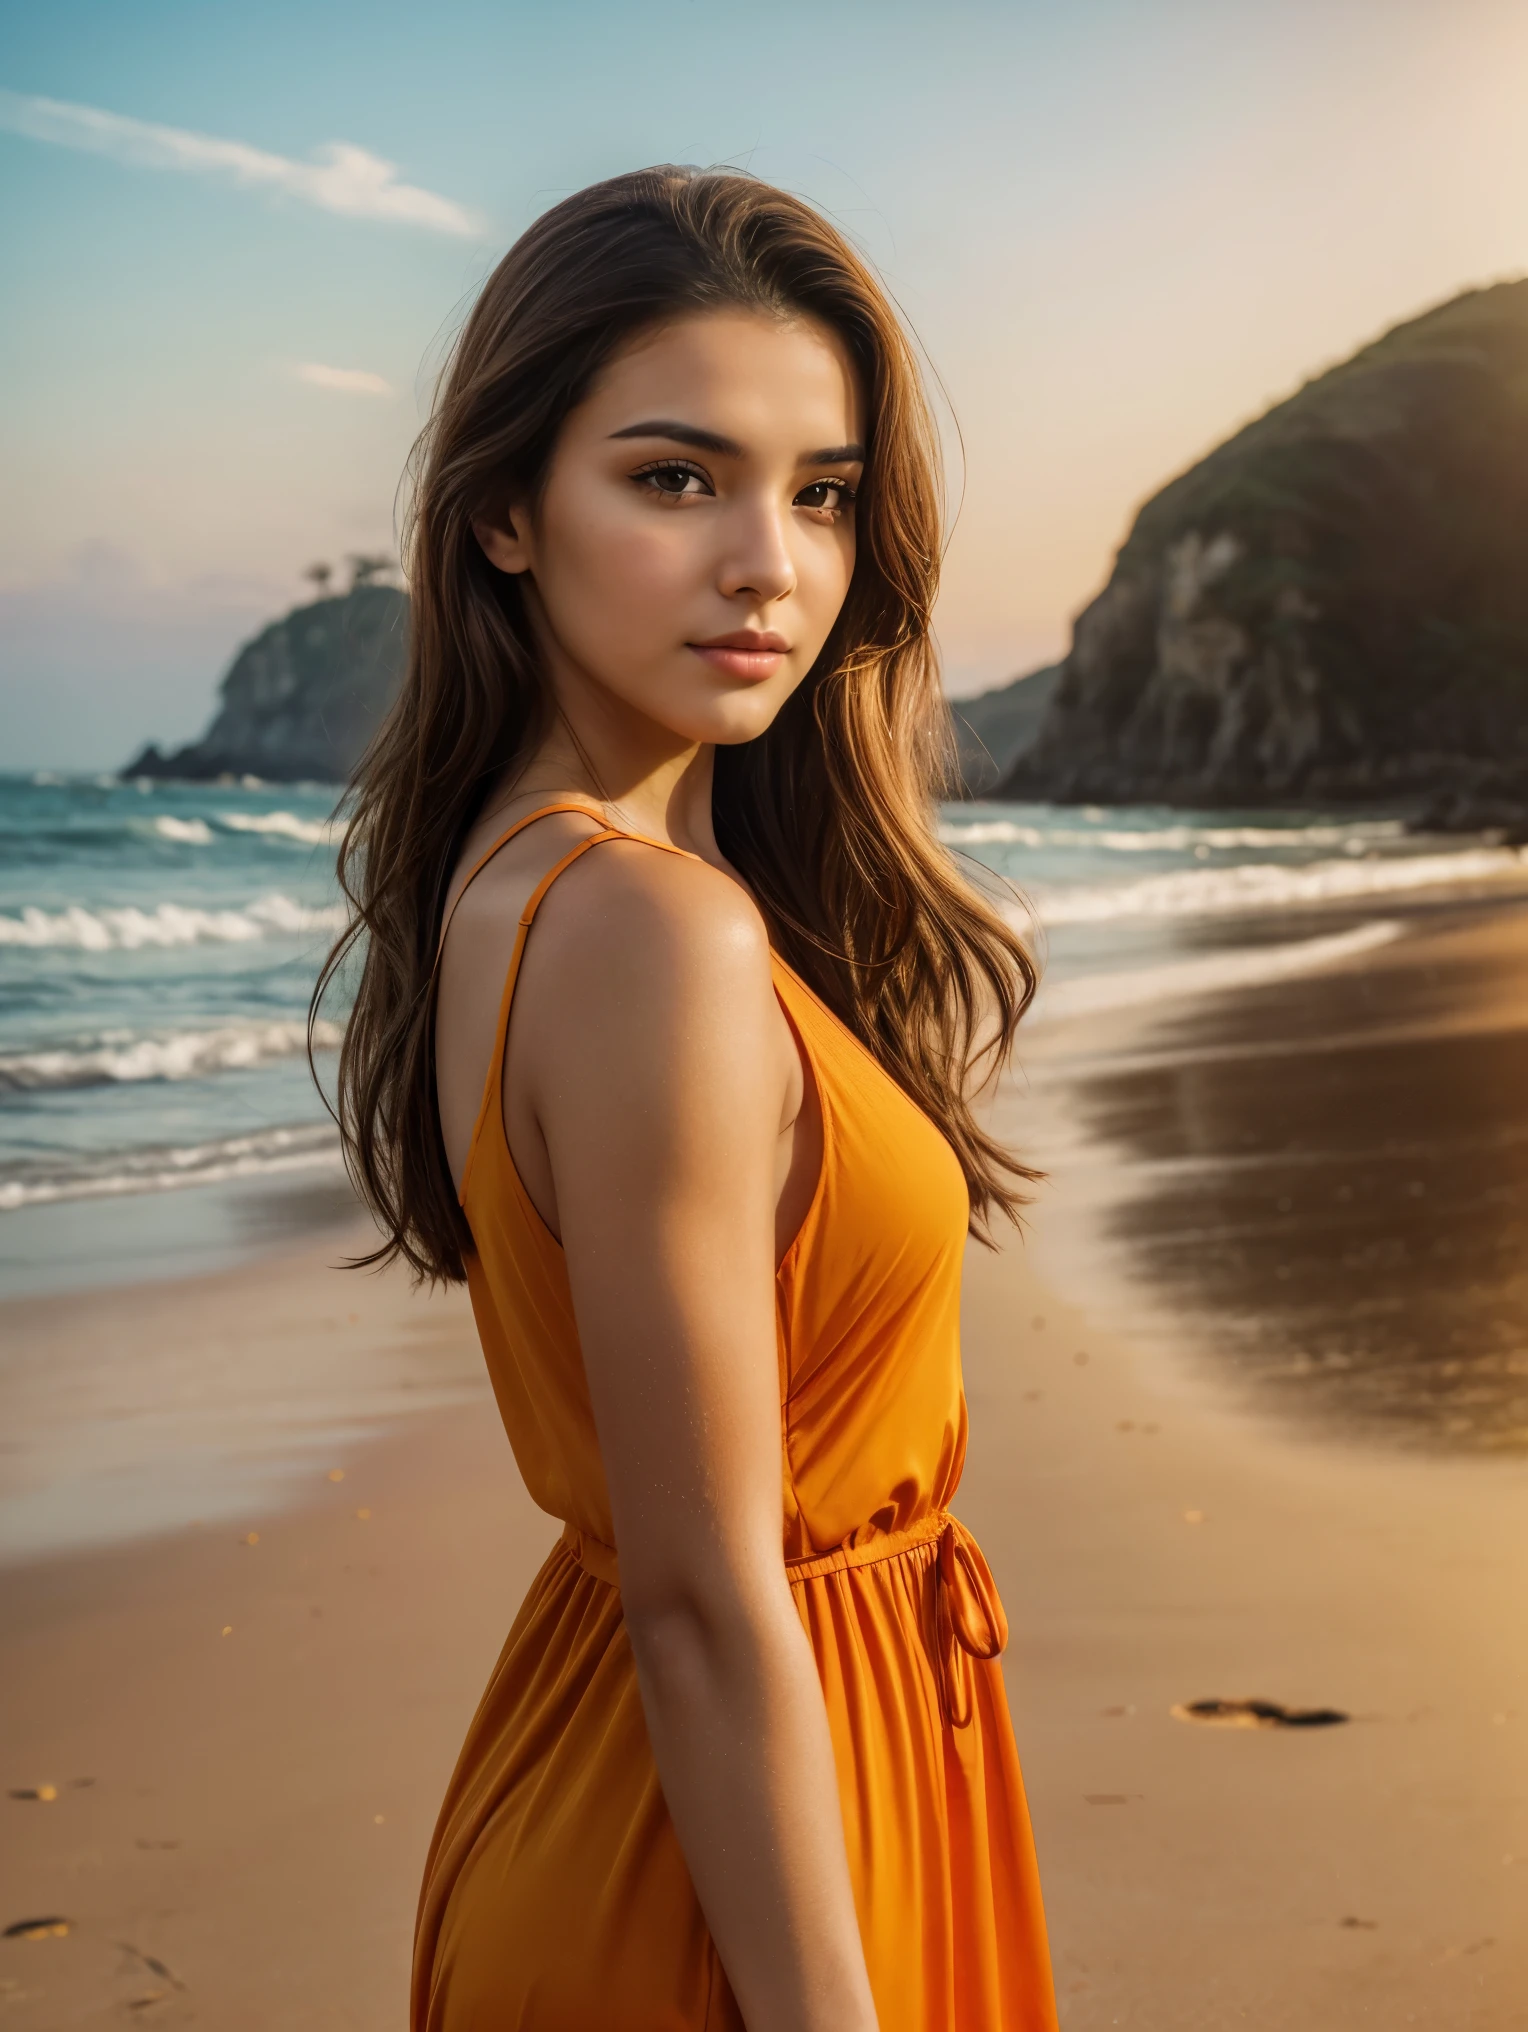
x=968, y=1617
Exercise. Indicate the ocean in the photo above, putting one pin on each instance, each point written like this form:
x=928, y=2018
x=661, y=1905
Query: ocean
x=158, y=943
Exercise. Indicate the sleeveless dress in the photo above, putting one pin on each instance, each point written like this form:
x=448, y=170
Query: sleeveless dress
x=556, y=1897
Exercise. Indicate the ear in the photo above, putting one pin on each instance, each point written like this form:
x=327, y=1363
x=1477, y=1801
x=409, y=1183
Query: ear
x=504, y=546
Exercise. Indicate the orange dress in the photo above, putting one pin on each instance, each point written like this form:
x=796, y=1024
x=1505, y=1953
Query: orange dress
x=556, y=1894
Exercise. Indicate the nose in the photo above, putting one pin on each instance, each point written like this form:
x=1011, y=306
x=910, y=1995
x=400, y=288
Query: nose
x=757, y=559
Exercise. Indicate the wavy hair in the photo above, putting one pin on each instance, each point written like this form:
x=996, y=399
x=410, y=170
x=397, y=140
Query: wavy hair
x=829, y=815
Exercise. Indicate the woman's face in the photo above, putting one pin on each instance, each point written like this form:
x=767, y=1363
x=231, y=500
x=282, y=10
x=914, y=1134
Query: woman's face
x=695, y=539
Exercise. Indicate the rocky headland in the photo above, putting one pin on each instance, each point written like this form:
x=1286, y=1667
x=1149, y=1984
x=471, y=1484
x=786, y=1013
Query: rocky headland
x=301, y=701
x=1332, y=607
x=996, y=727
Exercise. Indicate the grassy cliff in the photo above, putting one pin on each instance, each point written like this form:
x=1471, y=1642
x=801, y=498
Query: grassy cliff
x=1333, y=604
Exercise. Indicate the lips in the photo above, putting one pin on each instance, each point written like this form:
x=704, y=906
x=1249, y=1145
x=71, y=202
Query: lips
x=749, y=653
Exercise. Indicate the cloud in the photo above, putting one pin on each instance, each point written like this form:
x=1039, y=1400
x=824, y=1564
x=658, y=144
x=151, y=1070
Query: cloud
x=343, y=380
x=342, y=178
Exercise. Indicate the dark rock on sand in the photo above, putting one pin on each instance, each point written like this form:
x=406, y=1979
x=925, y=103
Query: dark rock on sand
x=301, y=700
x=1332, y=606
x=1256, y=1714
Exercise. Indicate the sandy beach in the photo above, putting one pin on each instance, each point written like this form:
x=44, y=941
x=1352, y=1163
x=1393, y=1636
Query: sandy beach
x=1195, y=1478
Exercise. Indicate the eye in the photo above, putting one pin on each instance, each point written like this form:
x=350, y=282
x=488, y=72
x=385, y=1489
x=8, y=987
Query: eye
x=826, y=497
x=673, y=480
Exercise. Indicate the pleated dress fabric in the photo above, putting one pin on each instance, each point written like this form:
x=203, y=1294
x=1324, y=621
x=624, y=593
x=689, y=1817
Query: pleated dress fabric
x=556, y=1897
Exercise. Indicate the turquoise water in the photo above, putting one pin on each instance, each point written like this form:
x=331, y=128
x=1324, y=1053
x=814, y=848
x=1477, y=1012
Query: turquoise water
x=157, y=949
x=158, y=944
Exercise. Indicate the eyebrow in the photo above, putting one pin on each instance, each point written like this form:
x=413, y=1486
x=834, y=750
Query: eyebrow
x=729, y=448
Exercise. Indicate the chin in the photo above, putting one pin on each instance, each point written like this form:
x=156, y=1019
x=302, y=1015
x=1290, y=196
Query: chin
x=725, y=721
x=735, y=720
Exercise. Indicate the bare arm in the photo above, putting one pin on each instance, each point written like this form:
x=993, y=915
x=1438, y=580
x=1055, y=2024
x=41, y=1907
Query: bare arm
x=657, y=1061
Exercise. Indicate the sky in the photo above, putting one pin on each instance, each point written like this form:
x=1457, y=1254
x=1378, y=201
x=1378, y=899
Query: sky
x=235, y=243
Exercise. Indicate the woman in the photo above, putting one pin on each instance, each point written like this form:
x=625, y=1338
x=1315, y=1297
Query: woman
x=659, y=788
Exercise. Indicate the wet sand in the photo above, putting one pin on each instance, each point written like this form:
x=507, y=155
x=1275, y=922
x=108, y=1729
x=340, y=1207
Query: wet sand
x=1169, y=1515
x=1328, y=1179
x=133, y=1411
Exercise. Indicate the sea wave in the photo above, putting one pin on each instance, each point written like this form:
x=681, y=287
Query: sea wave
x=98, y=830
x=1355, y=838
x=167, y=924
x=1208, y=973
x=305, y=1147
x=119, y=1058
x=190, y=832
x=284, y=825
x=1261, y=885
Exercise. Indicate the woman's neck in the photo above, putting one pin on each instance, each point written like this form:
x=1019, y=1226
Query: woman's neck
x=664, y=792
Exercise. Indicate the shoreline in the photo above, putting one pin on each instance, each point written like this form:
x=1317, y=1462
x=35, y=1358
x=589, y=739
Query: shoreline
x=166, y=1233
x=1159, y=1533
x=139, y=1411
x=1307, y=1201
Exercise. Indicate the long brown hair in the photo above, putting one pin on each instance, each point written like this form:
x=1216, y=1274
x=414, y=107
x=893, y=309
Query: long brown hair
x=829, y=815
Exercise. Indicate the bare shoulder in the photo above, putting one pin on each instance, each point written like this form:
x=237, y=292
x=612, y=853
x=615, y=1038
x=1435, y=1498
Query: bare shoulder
x=646, y=1019
x=632, y=920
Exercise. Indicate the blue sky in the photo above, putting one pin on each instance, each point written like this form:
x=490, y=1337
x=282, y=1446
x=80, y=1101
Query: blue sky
x=1119, y=228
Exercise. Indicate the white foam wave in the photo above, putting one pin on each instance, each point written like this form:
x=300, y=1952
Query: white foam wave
x=1260, y=885
x=284, y=825
x=1210, y=973
x=306, y=1148
x=191, y=832
x=1178, y=839
x=174, y=1055
x=167, y=924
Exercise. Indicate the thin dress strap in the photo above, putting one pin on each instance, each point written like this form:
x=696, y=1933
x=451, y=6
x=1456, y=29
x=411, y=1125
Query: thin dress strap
x=546, y=811
x=494, y=1081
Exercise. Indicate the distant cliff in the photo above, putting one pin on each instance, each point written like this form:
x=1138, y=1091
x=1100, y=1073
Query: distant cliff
x=301, y=701
x=1332, y=605
x=995, y=728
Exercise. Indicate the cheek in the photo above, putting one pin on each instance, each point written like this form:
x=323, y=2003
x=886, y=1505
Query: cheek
x=611, y=569
x=824, y=568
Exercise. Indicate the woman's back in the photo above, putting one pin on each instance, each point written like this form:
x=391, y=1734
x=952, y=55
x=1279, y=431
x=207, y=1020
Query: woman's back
x=556, y=1885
